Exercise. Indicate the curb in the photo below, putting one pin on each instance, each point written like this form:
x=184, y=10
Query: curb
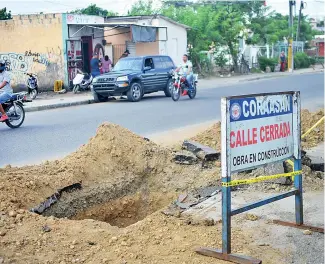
x=286, y=75
x=58, y=105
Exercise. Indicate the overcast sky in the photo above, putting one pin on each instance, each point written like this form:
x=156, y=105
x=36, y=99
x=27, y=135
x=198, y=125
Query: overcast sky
x=315, y=8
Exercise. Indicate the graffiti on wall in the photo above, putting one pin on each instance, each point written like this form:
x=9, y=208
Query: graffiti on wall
x=37, y=57
x=48, y=68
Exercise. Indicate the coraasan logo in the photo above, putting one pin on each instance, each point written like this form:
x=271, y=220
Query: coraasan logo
x=235, y=111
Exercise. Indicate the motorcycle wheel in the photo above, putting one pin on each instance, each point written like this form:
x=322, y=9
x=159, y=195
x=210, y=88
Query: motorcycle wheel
x=76, y=88
x=33, y=93
x=16, y=119
x=176, y=93
x=192, y=93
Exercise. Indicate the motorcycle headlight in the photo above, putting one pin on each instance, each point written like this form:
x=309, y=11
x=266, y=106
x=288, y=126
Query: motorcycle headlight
x=122, y=79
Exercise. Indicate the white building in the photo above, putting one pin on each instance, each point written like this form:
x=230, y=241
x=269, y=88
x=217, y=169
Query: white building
x=171, y=38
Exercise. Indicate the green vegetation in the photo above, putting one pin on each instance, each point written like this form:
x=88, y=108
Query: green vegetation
x=4, y=15
x=94, y=10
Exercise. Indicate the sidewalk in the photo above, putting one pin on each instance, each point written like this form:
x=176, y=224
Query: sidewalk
x=51, y=100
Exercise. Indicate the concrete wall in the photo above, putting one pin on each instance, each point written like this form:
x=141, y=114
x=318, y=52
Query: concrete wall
x=117, y=36
x=176, y=44
x=149, y=48
x=33, y=43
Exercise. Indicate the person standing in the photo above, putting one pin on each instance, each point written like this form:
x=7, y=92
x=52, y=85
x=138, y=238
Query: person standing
x=94, y=65
x=282, y=61
x=106, y=64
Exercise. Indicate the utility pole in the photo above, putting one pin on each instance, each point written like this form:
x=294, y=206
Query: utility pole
x=299, y=19
x=290, y=50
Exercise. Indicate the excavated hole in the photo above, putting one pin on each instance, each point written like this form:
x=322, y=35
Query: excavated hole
x=127, y=210
x=119, y=205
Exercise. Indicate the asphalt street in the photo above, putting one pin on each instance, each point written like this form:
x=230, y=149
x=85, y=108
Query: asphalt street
x=55, y=133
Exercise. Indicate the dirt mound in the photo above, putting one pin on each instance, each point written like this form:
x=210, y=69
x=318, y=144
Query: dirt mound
x=114, y=157
x=308, y=119
x=124, y=179
x=212, y=136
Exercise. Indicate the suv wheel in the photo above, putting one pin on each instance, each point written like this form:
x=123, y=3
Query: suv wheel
x=169, y=88
x=135, y=93
x=98, y=98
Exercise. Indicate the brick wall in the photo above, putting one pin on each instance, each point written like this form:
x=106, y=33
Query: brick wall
x=33, y=43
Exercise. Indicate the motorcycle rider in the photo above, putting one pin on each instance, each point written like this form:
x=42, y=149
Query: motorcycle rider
x=185, y=68
x=5, y=90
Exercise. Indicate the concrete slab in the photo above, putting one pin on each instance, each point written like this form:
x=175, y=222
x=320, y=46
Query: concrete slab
x=316, y=154
x=282, y=210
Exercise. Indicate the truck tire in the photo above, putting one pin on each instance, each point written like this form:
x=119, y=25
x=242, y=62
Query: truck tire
x=169, y=88
x=98, y=98
x=135, y=92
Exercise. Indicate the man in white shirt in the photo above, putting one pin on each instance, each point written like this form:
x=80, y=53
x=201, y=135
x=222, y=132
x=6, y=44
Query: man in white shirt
x=185, y=68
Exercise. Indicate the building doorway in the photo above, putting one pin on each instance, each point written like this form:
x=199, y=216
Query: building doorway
x=86, y=48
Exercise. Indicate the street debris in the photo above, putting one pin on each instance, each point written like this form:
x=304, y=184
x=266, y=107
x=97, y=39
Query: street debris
x=307, y=232
x=185, y=157
x=46, y=229
x=202, y=152
x=252, y=217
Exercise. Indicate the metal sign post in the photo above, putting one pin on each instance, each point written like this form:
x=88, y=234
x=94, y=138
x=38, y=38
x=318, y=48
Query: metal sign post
x=257, y=130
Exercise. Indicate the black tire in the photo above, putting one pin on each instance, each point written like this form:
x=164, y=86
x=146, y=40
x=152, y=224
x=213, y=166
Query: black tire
x=8, y=122
x=192, y=93
x=135, y=92
x=76, y=88
x=99, y=99
x=176, y=95
x=169, y=87
x=33, y=93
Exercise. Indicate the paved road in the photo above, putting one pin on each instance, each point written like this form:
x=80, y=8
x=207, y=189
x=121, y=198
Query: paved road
x=54, y=133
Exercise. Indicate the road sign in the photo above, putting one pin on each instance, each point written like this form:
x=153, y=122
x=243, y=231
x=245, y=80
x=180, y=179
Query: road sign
x=259, y=130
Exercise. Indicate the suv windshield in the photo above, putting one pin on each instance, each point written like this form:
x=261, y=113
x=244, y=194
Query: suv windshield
x=128, y=64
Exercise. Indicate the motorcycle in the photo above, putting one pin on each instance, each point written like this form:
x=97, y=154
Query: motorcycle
x=82, y=81
x=32, y=84
x=15, y=109
x=181, y=86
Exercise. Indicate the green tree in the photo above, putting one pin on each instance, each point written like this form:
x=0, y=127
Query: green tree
x=4, y=15
x=220, y=23
x=142, y=8
x=94, y=10
x=274, y=27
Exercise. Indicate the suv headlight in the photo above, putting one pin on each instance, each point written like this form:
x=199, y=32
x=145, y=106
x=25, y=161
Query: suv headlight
x=122, y=79
x=95, y=80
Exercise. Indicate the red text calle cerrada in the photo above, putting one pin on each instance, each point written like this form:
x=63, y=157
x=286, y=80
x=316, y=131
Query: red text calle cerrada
x=251, y=136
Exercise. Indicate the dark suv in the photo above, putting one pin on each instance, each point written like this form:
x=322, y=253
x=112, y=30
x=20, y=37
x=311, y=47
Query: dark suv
x=135, y=77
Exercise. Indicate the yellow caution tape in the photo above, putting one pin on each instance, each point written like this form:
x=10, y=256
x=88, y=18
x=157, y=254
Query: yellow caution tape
x=259, y=179
x=310, y=129
x=303, y=136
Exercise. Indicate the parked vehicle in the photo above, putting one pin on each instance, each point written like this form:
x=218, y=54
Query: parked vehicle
x=135, y=77
x=15, y=109
x=181, y=86
x=32, y=85
x=82, y=81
